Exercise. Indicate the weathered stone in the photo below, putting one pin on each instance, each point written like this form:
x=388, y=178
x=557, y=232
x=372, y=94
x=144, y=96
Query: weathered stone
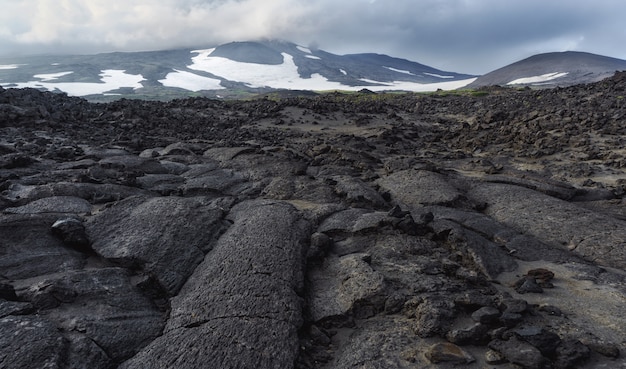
x=342, y=221
x=30, y=342
x=72, y=232
x=132, y=163
x=570, y=353
x=164, y=236
x=528, y=285
x=343, y=285
x=561, y=224
x=494, y=357
x=103, y=305
x=434, y=317
x=489, y=258
x=251, y=312
x=162, y=183
x=15, y=308
x=94, y=193
x=357, y=192
x=28, y=249
x=215, y=182
x=520, y=353
x=54, y=204
x=544, y=340
x=416, y=188
x=475, y=334
x=486, y=315
x=448, y=353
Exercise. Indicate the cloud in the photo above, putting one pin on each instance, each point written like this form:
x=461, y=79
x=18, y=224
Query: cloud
x=472, y=36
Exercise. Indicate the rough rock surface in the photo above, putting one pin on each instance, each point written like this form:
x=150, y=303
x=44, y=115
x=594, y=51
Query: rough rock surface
x=338, y=231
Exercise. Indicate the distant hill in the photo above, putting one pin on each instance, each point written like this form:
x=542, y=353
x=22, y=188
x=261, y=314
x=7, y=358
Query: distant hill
x=553, y=69
x=233, y=69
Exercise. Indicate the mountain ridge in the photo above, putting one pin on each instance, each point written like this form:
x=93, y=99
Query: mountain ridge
x=248, y=68
x=557, y=69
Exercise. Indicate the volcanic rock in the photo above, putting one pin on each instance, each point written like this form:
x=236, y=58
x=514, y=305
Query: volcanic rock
x=330, y=231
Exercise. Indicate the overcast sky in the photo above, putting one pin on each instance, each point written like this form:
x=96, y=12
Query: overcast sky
x=466, y=36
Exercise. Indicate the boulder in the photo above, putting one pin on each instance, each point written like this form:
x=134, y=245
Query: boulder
x=165, y=237
x=242, y=304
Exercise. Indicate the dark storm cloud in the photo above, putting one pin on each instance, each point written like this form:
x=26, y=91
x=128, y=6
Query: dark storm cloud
x=472, y=36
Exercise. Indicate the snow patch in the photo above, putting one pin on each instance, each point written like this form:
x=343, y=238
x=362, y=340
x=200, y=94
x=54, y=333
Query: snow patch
x=399, y=71
x=286, y=76
x=538, y=79
x=437, y=75
x=51, y=76
x=313, y=57
x=343, y=72
x=112, y=79
x=304, y=49
x=190, y=81
x=10, y=66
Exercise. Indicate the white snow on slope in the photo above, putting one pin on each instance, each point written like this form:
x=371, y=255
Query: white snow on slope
x=313, y=57
x=286, y=76
x=437, y=75
x=399, y=71
x=343, y=72
x=51, y=76
x=112, y=79
x=304, y=49
x=10, y=66
x=538, y=79
x=190, y=81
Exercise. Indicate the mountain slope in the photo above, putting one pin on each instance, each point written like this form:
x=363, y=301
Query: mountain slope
x=236, y=67
x=553, y=69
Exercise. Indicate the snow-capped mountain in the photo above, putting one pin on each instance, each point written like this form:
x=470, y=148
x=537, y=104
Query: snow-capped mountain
x=238, y=66
x=553, y=69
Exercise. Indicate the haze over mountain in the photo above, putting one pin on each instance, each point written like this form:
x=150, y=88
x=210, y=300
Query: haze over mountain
x=469, y=36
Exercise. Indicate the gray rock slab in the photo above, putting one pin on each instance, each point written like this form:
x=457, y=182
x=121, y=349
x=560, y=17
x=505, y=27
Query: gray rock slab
x=258, y=167
x=343, y=221
x=166, y=237
x=595, y=237
x=30, y=342
x=416, y=188
x=549, y=187
x=519, y=245
x=242, y=303
x=358, y=192
x=132, y=163
x=339, y=283
x=220, y=181
x=488, y=257
x=225, y=154
x=103, y=305
x=94, y=193
x=28, y=249
x=300, y=188
x=230, y=342
x=161, y=183
x=54, y=204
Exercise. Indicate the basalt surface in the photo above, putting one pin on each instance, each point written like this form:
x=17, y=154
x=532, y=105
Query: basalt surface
x=472, y=230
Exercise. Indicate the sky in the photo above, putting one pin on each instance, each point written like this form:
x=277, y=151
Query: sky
x=464, y=36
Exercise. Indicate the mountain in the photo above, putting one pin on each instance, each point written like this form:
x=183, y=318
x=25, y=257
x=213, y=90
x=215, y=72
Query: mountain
x=553, y=69
x=231, y=69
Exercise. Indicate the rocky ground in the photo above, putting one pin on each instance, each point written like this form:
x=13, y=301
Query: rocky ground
x=472, y=230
